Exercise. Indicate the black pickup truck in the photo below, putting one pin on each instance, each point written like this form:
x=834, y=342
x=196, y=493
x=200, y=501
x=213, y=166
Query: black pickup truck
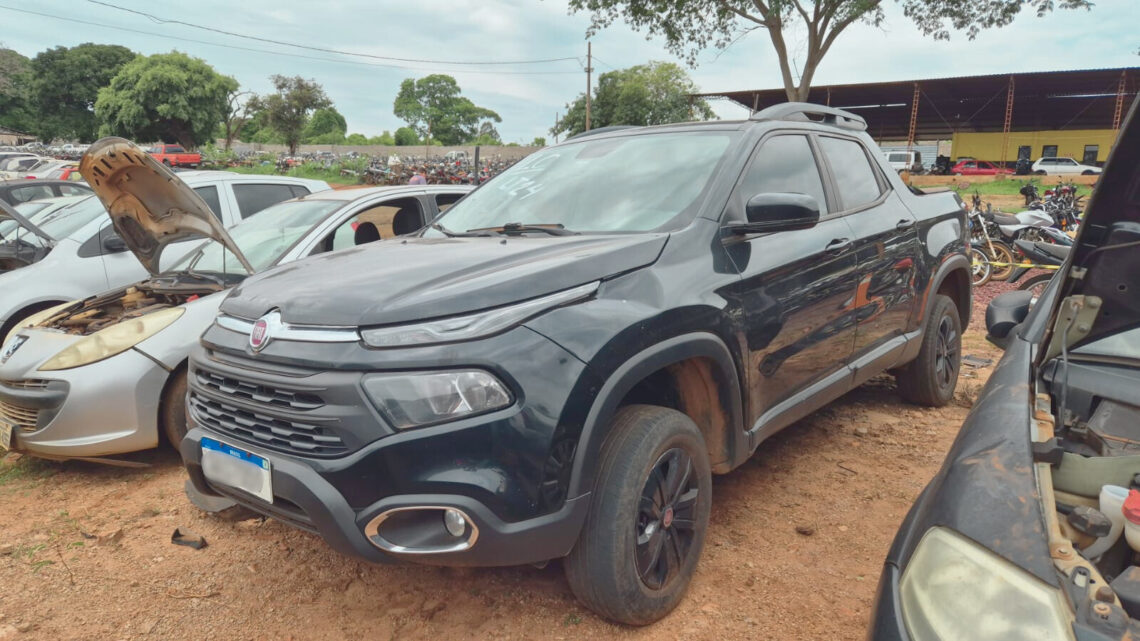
x=555, y=367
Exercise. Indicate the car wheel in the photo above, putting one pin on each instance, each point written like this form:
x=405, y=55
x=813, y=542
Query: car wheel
x=930, y=379
x=648, y=515
x=172, y=408
x=1036, y=285
x=1040, y=172
x=1088, y=173
x=167, y=163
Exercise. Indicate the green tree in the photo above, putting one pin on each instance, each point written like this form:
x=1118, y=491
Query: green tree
x=689, y=26
x=656, y=93
x=65, y=85
x=434, y=107
x=238, y=114
x=406, y=136
x=168, y=96
x=356, y=139
x=287, y=110
x=324, y=124
x=538, y=141
x=15, y=99
x=385, y=138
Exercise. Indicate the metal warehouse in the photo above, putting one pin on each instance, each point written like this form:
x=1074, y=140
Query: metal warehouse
x=999, y=118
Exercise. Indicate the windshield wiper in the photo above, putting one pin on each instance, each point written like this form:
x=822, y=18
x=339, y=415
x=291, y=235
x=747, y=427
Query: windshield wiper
x=456, y=234
x=554, y=229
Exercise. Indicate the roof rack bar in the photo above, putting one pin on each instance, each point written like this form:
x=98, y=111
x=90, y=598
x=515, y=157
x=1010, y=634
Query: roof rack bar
x=806, y=111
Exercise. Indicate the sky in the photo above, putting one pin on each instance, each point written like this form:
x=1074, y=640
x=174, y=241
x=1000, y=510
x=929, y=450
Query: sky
x=529, y=96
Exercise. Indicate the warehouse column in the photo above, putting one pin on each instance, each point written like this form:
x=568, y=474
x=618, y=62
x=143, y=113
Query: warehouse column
x=1008, y=121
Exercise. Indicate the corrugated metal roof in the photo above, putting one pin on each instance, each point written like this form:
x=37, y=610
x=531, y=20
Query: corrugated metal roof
x=1082, y=99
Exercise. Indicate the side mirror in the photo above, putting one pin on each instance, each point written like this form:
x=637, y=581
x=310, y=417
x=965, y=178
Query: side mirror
x=778, y=212
x=1005, y=313
x=114, y=244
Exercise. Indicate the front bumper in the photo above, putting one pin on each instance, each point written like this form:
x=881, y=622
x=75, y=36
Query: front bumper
x=886, y=617
x=336, y=465
x=105, y=408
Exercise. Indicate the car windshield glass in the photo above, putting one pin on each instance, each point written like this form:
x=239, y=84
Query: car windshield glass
x=65, y=221
x=632, y=183
x=263, y=238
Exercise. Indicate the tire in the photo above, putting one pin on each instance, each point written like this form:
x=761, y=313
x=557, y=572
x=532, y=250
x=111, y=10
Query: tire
x=1040, y=172
x=1001, y=254
x=931, y=378
x=172, y=408
x=646, y=447
x=167, y=163
x=1088, y=173
x=981, y=270
x=1037, y=285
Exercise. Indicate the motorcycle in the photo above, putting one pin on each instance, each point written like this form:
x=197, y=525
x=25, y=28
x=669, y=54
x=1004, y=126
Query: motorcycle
x=991, y=258
x=1042, y=254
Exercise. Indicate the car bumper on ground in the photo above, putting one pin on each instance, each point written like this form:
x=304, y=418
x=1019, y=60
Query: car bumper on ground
x=886, y=618
x=108, y=407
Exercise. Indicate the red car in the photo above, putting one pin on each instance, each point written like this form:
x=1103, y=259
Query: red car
x=175, y=156
x=978, y=168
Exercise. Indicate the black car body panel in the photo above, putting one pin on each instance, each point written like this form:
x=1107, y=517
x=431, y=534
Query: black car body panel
x=742, y=332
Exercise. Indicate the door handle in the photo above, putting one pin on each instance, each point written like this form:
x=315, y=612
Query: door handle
x=904, y=224
x=838, y=245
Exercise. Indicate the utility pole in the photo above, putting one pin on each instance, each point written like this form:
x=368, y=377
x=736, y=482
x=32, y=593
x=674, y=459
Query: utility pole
x=589, y=68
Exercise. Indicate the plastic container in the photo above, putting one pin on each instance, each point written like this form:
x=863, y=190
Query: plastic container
x=1131, y=511
x=1112, y=499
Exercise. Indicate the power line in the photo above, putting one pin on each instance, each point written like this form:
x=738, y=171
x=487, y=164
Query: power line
x=282, y=53
x=326, y=50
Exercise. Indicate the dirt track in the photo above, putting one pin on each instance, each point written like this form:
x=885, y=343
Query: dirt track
x=85, y=550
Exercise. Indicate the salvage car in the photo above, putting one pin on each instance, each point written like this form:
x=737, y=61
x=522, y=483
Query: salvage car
x=15, y=192
x=107, y=375
x=85, y=254
x=559, y=362
x=1030, y=529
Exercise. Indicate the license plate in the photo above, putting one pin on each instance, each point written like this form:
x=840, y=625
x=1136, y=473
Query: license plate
x=223, y=463
x=5, y=435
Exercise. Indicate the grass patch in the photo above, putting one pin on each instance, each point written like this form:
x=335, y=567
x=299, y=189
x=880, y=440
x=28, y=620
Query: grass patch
x=1009, y=187
x=26, y=468
x=331, y=176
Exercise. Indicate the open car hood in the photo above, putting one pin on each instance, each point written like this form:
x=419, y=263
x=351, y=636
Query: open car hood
x=1102, y=275
x=7, y=212
x=149, y=205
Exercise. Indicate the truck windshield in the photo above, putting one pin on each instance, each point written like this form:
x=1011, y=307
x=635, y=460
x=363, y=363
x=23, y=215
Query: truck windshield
x=636, y=183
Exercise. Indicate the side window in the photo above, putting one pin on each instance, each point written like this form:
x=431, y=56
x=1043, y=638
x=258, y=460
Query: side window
x=385, y=220
x=73, y=190
x=969, y=165
x=445, y=201
x=784, y=164
x=1049, y=151
x=210, y=195
x=253, y=198
x=175, y=149
x=299, y=191
x=1090, y=155
x=32, y=192
x=854, y=176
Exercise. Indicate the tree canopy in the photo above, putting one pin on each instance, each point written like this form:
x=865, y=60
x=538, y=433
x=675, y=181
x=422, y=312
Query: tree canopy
x=168, y=96
x=15, y=76
x=65, y=84
x=287, y=110
x=325, y=126
x=656, y=93
x=690, y=26
x=434, y=108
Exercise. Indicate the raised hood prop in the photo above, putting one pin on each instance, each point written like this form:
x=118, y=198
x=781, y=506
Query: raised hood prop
x=149, y=205
x=10, y=213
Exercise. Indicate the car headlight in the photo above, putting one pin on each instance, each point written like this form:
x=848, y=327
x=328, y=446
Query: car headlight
x=955, y=589
x=112, y=340
x=409, y=399
x=35, y=319
x=471, y=326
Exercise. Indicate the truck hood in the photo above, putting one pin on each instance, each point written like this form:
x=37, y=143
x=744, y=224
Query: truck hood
x=1105, y=261
x=400, y=281
x=7, y=212
x=149, y=205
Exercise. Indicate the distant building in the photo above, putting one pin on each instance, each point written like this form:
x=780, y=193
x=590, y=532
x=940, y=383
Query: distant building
x=999, y=118
x=13, y=137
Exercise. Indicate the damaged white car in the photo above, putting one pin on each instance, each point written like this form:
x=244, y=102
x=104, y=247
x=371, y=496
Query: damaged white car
x=104, y=376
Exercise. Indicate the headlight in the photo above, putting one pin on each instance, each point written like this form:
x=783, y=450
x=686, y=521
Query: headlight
x=471, y=326
x=420, y=398
x=955, y=589
x=34, y=319
x=117, y=338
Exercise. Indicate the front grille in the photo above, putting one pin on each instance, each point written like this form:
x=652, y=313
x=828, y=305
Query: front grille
x=24, y=418
x=283, y=435
x=30, y=383
x=257, y=393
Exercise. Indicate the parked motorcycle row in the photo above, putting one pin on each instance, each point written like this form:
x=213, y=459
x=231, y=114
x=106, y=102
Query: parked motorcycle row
x=1006, y=247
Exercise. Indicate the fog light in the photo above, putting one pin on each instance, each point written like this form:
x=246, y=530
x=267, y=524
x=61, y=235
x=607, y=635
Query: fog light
x=454, y=522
